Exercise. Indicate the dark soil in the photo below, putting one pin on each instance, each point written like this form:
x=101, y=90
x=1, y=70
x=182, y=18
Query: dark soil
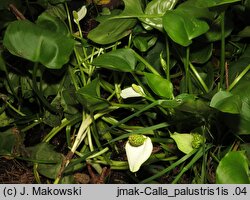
x=15, y=172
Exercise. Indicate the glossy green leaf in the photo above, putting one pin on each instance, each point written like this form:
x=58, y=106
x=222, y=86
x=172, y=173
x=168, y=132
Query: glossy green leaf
x=143, y=43
x=45, y=152
x=159, y=85
x=240, y=124
x=46, y=42
x=226, y=102
x=119, y=60
x=184, y=24
x=246, y=148
x=113, y=29
x=212, y=3
x=242, y=89
x=157, y=7
x=233, y=169
x=89, y=96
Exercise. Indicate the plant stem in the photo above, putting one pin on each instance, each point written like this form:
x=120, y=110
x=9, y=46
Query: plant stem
x=175, y=164
x=72, y=76
x=186, y=66
x=133, y=115
x=168, y=59
x=38, y=93
x=148, y=66
x=98, y=153
x=68, y=130
x=222, y=55
x=203, y=84
x=55, y=130
x=28, y=127
x=68, y=16
x=190, y=164
x=14, y=109
x=238, y=78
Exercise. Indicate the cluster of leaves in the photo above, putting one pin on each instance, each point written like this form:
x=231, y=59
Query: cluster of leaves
x=191, y=59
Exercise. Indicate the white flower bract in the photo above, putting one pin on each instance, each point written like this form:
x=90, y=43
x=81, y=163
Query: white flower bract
x=130, y=92
x=80, y=14
x=138, y=155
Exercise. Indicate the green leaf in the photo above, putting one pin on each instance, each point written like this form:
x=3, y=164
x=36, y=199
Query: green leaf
x=233, y=169
x=9, y=142
x=200, y=52
x=45, y=152
x=68, y=101
x=57, y=11
x=5, y=120
x=245, y=32
x=143, y=43
x=192, y=104
x=240, y=124
x=119, y=60
x=46, y=42
x=159, y=85
x=89, y=96
x=226, y=102
x=183, y=141
x=246, y=148
x=51, y=119
x=184, y=23
x=214, y=33
x=111, y=30
x=212, y=3
x=157, y=7
x=114, y=29
x=242, y=89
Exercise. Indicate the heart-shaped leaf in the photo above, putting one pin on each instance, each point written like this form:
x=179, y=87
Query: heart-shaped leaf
x=159, y=85
x=120, y=60
x=185, y=23
x=226, y=102
x=157, y=7
x=113, y=29
x=46, y=42
x=44, y=152
x=233, y=169
x=182, y=29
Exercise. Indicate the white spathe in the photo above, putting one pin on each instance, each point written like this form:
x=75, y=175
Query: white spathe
x=131, y=92
x=138, y=155
x=81, y=14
